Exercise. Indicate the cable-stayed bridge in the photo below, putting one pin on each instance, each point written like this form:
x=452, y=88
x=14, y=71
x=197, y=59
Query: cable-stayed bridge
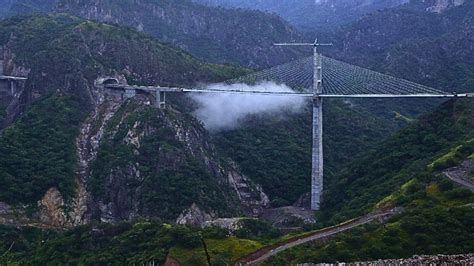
x=316, y=77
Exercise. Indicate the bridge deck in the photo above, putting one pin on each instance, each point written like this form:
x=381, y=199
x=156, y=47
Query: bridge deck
x=2, y=77
x=280, y=93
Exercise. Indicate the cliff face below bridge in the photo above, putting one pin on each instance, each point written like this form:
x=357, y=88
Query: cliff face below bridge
x=86, y=155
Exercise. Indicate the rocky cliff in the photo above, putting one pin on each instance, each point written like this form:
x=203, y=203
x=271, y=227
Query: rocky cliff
x=439, y=6
x=86, y=154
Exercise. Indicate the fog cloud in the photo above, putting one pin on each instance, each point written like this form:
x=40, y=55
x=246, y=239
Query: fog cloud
x=220, y=111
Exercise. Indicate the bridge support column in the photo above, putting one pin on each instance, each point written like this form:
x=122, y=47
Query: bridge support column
x=317, y=154
x=129, y=93
x=160, y=99
x=317, y=150
x=12, y=88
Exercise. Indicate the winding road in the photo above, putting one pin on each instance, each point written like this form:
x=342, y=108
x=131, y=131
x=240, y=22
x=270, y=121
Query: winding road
x=459, y=174
x=268, y=251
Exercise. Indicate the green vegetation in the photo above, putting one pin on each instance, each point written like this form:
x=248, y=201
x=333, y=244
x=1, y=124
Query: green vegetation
x=275, y=151
x=122, y=243
x=401, y=172
x=454, y=157
x=222, y=251
x=133, y=242
x=182, y=178
x=38, y=152
x=380, y=172
x=214, y=34
x=161, y=176
x=72, y=45
x=3, y=114
x=435, y=221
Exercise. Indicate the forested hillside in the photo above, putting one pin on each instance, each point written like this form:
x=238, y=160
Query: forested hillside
x=410, y=170
x=214, y=34
x=241, y=37
x=428, y=48
x=436, y=216
x=372, y=178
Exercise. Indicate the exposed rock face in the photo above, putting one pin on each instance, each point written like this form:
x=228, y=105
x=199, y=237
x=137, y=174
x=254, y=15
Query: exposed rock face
x=147, y=142
x=11, y=92
x=87, y=145
x=51, y=208
x=439, y=6
x=194, y=216
x=10, y=216
x=133, y=159
x=289, y=217
x=231, y=224
x=252, y=197
x=304, y=201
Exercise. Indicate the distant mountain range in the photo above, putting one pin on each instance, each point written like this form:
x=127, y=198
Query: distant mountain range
x=312, y=14
x=326, y=15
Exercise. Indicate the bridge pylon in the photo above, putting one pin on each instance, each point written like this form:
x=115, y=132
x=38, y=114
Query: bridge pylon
x=317, y=160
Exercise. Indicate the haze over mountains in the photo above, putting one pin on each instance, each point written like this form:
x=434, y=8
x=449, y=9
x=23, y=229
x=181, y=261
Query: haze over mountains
x=310, y=14
x=326, y=15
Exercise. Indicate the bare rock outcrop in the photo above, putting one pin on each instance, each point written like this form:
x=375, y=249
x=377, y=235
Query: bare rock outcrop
x=51, y=208
x=194, y=216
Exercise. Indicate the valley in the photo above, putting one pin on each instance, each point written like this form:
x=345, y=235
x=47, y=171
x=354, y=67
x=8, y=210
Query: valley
x=91, y=176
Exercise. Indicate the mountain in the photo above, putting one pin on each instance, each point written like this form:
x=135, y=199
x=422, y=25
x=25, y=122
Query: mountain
x=436, y=213
x=428, y=48
x=411, y=170
x=5, y=7
x=325, y=15
x=218, y=35
x=74, y=118
x=365, y=182
x=436, y=6
x=66, y=178
x=116, y=176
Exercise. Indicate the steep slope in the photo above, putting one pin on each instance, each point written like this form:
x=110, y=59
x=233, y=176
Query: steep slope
x=367, y=181
x=276, y=152
x=49, y=152
x=219, y=35
x=432, y=49
x=157, y=164
x=437, y=218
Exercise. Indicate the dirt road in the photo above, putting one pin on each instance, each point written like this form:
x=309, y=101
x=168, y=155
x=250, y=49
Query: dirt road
x=268, y=251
